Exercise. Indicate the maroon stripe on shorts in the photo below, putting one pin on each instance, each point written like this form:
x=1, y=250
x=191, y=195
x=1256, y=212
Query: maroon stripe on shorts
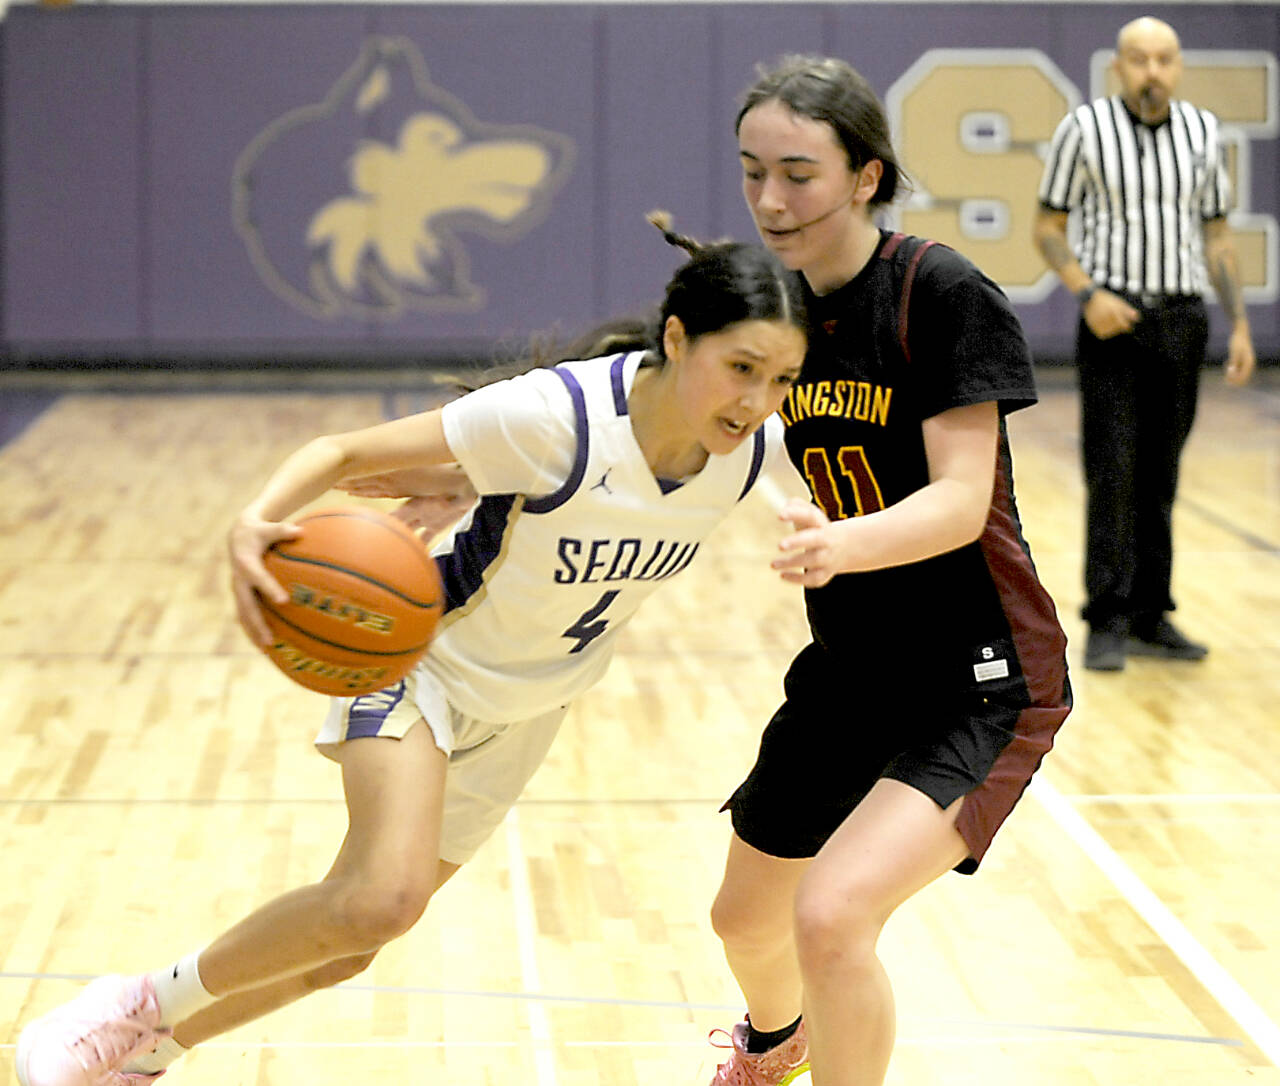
x=1041, y=647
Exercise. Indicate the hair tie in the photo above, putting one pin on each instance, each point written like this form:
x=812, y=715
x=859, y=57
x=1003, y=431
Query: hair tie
x=662, y=220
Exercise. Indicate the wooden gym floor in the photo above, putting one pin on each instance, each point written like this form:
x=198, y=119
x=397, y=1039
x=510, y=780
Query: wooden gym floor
x=157, y=781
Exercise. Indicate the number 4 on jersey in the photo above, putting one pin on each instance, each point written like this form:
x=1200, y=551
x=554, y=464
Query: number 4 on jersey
x=587, y=629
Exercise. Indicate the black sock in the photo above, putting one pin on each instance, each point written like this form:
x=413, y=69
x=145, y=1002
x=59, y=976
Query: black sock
x=758, y=1042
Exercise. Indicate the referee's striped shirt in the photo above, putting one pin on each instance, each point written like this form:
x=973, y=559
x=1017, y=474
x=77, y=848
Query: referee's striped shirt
x=1143, y=193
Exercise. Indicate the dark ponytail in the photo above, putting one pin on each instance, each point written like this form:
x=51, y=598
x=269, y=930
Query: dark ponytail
x=725, y=282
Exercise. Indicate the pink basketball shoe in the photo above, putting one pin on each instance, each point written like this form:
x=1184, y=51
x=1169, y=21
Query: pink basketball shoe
x=87, y=1041
x=777, y=1067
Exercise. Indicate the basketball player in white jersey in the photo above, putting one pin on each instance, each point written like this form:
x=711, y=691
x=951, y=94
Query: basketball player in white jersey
x=598, y=481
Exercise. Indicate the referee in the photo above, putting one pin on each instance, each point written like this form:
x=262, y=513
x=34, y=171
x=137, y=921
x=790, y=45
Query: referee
x=1146, y=177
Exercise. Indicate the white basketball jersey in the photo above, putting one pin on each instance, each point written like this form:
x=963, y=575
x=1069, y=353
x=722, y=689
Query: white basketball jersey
x=538, y=584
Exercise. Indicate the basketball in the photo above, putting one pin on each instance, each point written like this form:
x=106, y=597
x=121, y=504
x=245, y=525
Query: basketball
x=364, y=600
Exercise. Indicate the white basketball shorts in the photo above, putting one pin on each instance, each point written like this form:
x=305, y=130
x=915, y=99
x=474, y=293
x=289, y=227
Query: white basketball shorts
x=489, y=764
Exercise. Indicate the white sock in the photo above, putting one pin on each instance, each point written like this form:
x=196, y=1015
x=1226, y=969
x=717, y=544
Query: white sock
x=155, y=1061
x=180, y=992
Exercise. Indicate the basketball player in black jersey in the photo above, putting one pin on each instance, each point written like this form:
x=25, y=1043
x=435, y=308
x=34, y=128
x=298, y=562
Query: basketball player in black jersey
x=936, y=677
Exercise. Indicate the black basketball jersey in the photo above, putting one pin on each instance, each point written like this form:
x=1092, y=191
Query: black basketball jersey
x=918, y=331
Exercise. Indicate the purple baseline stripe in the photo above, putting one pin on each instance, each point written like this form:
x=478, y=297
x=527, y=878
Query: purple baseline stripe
x=19, y=409
x=615, y=379
x=554, y=501
x=757, y=462
x=370, y=711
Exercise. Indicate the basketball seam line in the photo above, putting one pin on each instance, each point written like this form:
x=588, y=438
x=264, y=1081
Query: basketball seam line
x=426, y=606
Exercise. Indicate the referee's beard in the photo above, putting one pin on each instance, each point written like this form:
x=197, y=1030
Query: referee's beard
x=1153, y=103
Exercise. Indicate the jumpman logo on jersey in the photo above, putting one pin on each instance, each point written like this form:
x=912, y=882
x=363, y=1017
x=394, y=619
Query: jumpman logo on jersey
x=603, y=484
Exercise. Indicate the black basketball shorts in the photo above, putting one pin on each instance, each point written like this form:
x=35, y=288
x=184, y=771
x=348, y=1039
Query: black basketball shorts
x=841, y=729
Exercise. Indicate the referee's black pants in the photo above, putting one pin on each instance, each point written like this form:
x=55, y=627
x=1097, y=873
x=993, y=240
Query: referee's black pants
x=1137, y=403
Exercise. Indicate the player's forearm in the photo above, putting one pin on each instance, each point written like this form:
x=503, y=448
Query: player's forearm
x=945, y=515
x=303, y=476
x=414, y=442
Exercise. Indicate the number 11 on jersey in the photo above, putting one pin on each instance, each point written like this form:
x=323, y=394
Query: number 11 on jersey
x=861, y=483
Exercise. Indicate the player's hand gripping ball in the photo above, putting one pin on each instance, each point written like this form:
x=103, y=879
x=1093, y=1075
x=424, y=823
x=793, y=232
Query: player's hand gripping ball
x=364, y=600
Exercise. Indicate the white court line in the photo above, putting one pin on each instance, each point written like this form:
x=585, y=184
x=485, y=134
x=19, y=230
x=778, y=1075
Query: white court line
x=1181, y=799
x=527, y=941
x=1204, y=967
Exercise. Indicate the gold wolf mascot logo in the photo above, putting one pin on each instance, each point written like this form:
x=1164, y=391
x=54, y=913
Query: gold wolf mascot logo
x=423, y=171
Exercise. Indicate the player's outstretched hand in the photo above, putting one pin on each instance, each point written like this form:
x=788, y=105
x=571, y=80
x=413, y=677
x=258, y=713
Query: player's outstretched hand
x=247, y=542
x=433, y=514
x=811, y=555
x=436, y=495
x=434, y=480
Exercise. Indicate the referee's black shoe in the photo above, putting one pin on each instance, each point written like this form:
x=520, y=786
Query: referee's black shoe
x=1166, y=641
x=1105, y=650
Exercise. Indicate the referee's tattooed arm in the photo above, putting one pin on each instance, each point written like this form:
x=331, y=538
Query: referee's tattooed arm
x=1223, y=266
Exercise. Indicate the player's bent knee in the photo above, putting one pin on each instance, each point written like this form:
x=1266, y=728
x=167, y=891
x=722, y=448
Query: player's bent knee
x=834, y=926
x=372, y=916
x=749, y=922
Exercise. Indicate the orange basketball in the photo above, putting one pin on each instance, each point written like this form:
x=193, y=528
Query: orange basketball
x=364, y=600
